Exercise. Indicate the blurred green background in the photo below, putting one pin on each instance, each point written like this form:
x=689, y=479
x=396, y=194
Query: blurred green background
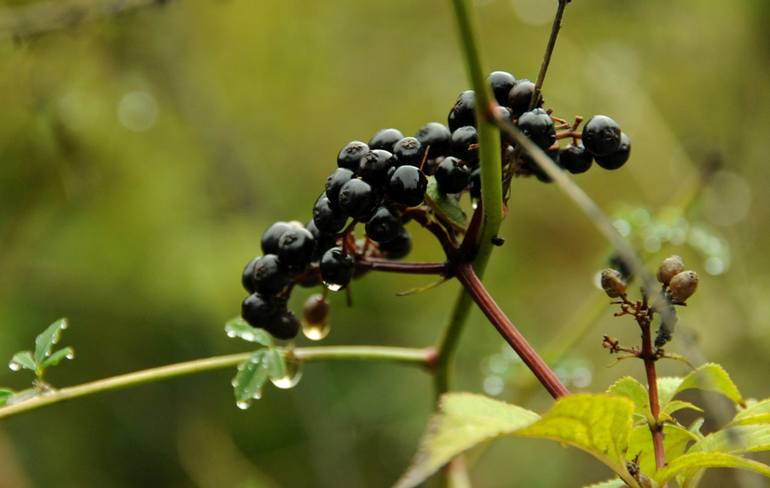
x=142, y=155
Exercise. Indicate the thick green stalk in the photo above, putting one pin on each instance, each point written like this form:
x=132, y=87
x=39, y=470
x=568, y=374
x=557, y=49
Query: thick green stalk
x=417, y=357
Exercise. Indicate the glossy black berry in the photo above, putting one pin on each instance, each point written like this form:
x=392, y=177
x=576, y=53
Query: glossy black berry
x=463, y=112
x=383, y=226
x=357, y=199
x=336, y=268
x=295, y=248
x=618, y=157
x=262, y=310
x=408, y=151
x=385, y=139
x=335, y=181
x=328, y=218
x=475, y=186
x=247, y=276
x=399, y=246
x=575, y=159
x=520, y=96
x=505, y=114
x=538, y=126
x=529, y=165
x=435, y=135
x=323, y=240
x=350, y=154
x=374, y=166
x=271, y=235
x=407, y=186
x=601, y=135
x=285, y=326
x=501, y=82
x=269, y=276
x=452, y=176
x=462, y=139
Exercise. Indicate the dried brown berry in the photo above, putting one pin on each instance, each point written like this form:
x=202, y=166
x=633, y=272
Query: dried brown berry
x=670, y=267
x=613, y=283
x=683, y=285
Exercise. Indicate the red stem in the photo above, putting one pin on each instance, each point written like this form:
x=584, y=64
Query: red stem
x=648, y=355
x=388, y=265
x=512, y=336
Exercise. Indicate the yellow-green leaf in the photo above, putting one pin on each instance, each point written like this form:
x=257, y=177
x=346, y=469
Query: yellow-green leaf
x=675, y=441
x=736, y=439
x=754, y=413
x=674, y=406
x=691, y=463
x=463, y=420
x=636, y=392
x=709, y=377
x=613, y=483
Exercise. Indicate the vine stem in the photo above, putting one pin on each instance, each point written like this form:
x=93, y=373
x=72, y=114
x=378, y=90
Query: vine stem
x=411, y=356
x=648, y=355
x=510, y=333
x=555, y=28
x=391, y=266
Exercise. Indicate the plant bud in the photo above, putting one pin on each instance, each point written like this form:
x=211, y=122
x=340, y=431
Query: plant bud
x=612, y=283
x=683, y=285
x=670, y=267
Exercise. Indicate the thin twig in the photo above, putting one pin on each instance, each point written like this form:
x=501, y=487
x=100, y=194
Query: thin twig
x=555, y=27
x=656, y=429
x=392, y=266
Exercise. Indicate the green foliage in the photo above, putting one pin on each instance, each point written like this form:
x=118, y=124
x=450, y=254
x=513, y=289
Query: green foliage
x=754, y=413
x=238, y=327
x=5, y=395
x=43, y=358
x=689, y=464
x=709, y=377
x=445, y=206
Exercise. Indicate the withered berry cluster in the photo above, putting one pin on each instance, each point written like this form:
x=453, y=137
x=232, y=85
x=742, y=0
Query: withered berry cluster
x=382, y=184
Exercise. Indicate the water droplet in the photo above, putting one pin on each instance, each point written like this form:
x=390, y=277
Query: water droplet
x=332, y=286
x=292, y=376
x=315, y=332
x=231, y=333
x=70, y=355
x=243, y=404
x=63, y=325
x=234, y=382
x=14, y=366
x=257, y=395
x=475, y=204
x=493, y=385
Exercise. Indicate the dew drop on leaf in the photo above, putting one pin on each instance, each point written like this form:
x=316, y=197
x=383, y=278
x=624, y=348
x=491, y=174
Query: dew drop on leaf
x=70, y=355
x=292, y=376
x=315, y=332
x=243, y=405
x=14, y=366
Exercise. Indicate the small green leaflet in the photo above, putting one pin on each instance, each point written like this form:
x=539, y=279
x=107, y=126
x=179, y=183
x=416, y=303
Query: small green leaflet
x=42, y=357
x=443, y=205
x=22, y=360
x=58, y=356
x=238, y=327
x=46, y=340
x=5, y=395
x=248, y=381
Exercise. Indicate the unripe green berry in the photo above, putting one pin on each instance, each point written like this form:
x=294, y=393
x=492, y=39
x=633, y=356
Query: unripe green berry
x=670, y=267
x=683, y=285
x=613, y=283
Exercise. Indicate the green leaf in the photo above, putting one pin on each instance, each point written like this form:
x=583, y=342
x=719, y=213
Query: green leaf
x=238, y=327
x=444, y=205
x=275, y=364
x=636, y=392
x=709, y=377
x=674, y=406
x=613, y=483
x=689, y=465
x=5, y=395
x=58, y=356
x=754, y=413
x=22, y=360
x=463, y=420
x=736, y=439
x=675, y=442
x=46, y=340
x=247, y=383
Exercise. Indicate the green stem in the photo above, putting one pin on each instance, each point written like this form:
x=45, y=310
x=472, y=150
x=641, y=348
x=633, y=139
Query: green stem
x=418, y=357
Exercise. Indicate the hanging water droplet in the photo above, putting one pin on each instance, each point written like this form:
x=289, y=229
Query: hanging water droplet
x=234, y=382
x=315, y=332
x=292, y=376
x=315, y=317
x=63, y=325
x=475, y=204
x=332, y=286
x=14, y=366
x=249, y=336
x=70, y=355
x=257, y=395
x=243, y=404
x=231, y=333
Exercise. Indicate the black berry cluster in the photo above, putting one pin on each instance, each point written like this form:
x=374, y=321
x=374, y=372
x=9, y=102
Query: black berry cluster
x=378, y=183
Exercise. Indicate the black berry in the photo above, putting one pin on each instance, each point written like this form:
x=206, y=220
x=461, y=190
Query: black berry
x=284, y=327
x=350, y=154
x=436, y=136
x=268, y=276
x=383, y=226
x=374, y=166
x=323, y=240
x=601, y=135
x=462, y=139
x=262, y=310
x=408, y=151
x=475, y=186
x=501, y=82
x=271, y=235
x=538, y=126
x=463, y=112
x=397, y=247
x=357, y=199
x=575, y=159
x=334, y=182
x=407, y=186
x=529, y=165
x=452, y=176
x=328, y=218
x=295, y=248
x=247, y=277
x=385, y=139
x=618, y=157
x=520, y=95
x=336, y=268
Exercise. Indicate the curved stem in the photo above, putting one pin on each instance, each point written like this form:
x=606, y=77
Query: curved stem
x=391, y=266
x=555, y=27
x=417, y=357
x=449, y=340
x=510, y=333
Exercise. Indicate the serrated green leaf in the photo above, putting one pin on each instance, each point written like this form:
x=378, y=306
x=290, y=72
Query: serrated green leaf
x=5, y=395
x=709, y=377
x=736, y=439
x=275, y=363
x=251, y=376
x=448, y=207
x=58, y=356
x=22, y=360
x=754, y=413
x=674, y=406
x=691, y=463
x=238, y=327
x=46, y=340
x=463, y=421
x=636, y=392
x=675, y=442
x=613, y=483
